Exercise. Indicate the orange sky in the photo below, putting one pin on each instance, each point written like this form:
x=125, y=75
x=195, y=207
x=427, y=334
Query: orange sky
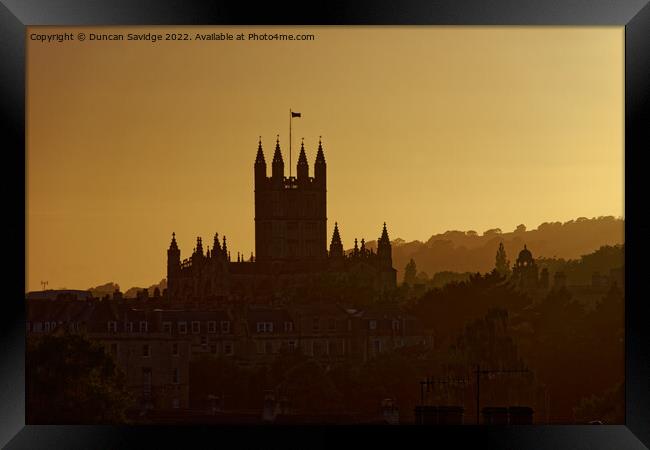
x=426, y=128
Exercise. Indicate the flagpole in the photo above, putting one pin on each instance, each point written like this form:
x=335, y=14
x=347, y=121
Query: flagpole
x=290, y=117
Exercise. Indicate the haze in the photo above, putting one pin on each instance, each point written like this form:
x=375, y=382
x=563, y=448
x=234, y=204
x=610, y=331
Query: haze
x=426, y=128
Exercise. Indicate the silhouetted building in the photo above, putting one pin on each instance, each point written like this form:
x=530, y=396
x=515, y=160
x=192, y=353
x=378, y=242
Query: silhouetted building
x=290, y=213
x=154, y=359
x=154, y=347
x=525, y=272
x=290, y=243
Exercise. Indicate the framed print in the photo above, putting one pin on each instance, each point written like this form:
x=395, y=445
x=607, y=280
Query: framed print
x=413, y=223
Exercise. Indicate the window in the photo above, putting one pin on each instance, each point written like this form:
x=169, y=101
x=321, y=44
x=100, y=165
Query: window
x=176, y=403
x=212, y=326
x=145, y=351
x=317, y=348
x=204, y=341
x=52, y=326
x=129, y=327
x=292, y=346
x=196, y=327
x=228, y=348
x=225, y=326
x=213, y=349
x=316, y=324
x=47, y=326
x=332, y=324
x=288, y=327
x=265, y=327
x=372, y=324
x=396, y=325
x=167, y=327
x=182, y=327
x=143, y=326
x=268, y=348
x=377, y=345
x=37, y=327
x=176, y=376
x=112, y=326
x=175, y=349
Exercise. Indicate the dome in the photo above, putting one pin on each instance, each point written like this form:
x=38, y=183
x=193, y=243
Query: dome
x=525, y=255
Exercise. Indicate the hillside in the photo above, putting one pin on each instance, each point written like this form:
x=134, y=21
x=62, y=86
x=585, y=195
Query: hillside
x=467, y=251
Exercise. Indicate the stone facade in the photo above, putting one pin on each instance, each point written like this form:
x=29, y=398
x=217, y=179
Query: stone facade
x=154, y=347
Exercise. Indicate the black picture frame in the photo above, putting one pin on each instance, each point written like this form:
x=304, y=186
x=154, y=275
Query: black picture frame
x=634, y=15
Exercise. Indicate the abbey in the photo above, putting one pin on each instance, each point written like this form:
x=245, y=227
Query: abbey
x=290, y=243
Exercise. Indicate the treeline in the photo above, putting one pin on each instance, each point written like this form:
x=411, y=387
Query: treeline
x=469, y=251
x=580, y=271
x=605, y=261
x=576, y=354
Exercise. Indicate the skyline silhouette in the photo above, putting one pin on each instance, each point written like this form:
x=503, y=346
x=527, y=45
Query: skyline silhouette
x=313, y=270
x=453, y=252
x=126, y=145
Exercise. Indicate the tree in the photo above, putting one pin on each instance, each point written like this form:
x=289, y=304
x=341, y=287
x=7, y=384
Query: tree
x=502, y=264
x=447, y=309
x=71, y=380
x=576, y=351
x=422, y=277
x=410, y=273
x=492, y=232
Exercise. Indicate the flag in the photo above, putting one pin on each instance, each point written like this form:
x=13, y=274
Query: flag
x=295, y=114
